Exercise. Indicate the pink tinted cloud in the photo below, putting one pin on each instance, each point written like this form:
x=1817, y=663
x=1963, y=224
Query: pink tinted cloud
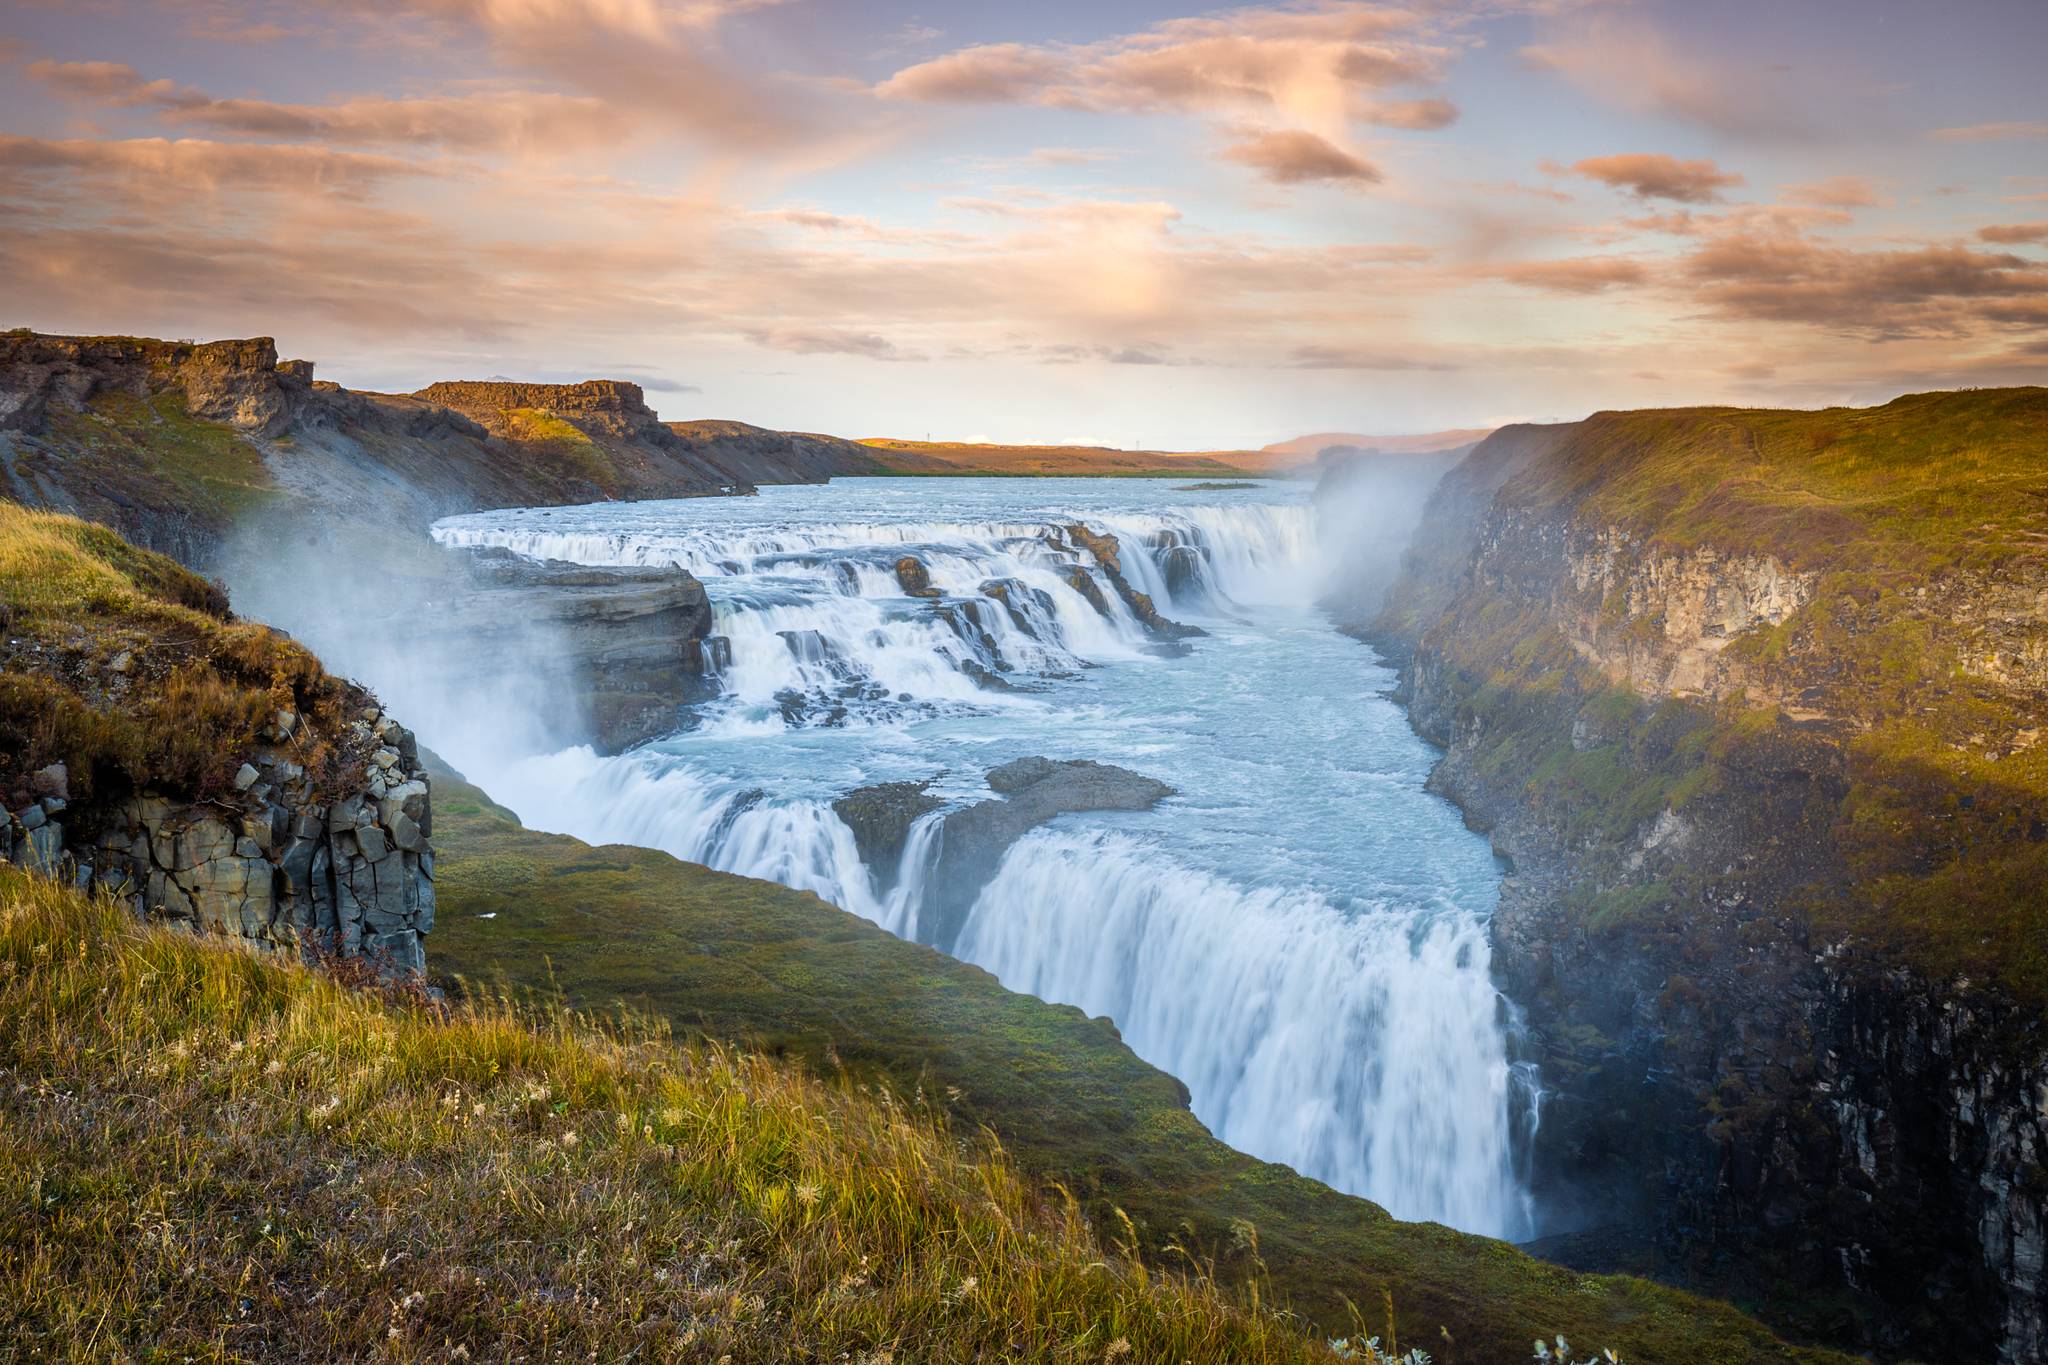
x=2014, y=234
x=1837, y=192
x=1625, y=61
x=1314, y=67
x=1653, y=175
x=482, y=121
x=1993, y=132
x=1581, y=275
x=1293, y=157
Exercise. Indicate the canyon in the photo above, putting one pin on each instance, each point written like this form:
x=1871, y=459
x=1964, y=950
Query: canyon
x=1744, y=704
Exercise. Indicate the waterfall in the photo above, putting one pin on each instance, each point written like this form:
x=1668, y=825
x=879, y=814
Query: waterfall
x=1322, y=1010
x=821, y=633
x=1361, y=1048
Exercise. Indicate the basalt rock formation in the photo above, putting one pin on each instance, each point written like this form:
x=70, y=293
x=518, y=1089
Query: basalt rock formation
x=880, y=817
x=1103, y=548
x=973, y=840
x=1752, y=703
x=200, y=769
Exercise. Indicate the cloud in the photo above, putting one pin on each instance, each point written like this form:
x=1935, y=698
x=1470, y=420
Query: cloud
x=197, y=164
x=1414, y=115
x=479, y=122
x=1993, y=132
x=1338, y=357
x=1317, y=67
x=826, y=341
x=1584, y=275
x=658, y=60
x=2014, y=234
x=1653, y=175
x=1294, y=157
x=1933, y=291
x=1837, y=192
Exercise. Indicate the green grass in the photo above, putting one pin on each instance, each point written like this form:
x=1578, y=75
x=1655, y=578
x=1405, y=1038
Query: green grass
x=212, y=470
x=208, y=1156
x=562, y=445
x=1926, y=482
x=734, y=959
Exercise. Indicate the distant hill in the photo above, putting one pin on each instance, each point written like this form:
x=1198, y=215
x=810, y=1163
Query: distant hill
x=1051, y=461
x=1308, y=447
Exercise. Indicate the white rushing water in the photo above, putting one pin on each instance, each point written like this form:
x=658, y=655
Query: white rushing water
x=1299, y=933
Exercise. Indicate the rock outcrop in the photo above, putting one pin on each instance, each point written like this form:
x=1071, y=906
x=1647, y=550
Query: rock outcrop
x=1103, y=548
x=632, y=646
x=276, y=864
x=184, y=446
x=973, y=840
x=881, y=817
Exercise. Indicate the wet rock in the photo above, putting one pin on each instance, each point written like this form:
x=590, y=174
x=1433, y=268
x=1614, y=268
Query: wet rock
x=915, y=577
x=880, y=817
x=627, y=647
x=1013, y=594
x=1033, y=790
x=1108, y=555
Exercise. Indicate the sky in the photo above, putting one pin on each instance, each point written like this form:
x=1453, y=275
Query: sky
x=1116, y=222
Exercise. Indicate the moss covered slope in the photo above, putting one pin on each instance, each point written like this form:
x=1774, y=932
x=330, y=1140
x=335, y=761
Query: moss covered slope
x=132, y=672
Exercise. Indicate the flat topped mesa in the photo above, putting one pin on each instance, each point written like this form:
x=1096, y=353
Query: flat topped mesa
x=473, y=397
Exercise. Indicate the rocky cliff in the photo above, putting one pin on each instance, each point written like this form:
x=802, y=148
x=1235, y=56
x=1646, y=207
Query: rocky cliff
x=1751, y=701
x=182, y=446
x=203, y=770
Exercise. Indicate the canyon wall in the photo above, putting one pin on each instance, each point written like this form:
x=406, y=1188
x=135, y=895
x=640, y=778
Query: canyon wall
x=1774, y=816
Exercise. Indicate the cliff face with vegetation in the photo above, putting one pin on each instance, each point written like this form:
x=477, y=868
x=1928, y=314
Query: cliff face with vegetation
x=180, y=446
x=1753, y=702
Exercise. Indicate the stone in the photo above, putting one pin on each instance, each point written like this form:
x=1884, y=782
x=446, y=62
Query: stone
x=245, y=777
x=405, y=832
x=45, y=850
x=914, y=577
x=52, y=781
x=371, y=840
x=385, y=758
x=32, y=816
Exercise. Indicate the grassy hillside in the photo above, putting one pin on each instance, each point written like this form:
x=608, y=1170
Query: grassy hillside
x=731, y=958
x=204, y=1155
x=961, y=458
x=131, y=671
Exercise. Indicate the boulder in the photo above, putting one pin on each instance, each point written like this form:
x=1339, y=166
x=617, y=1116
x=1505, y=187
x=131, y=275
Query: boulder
x=915, y=577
